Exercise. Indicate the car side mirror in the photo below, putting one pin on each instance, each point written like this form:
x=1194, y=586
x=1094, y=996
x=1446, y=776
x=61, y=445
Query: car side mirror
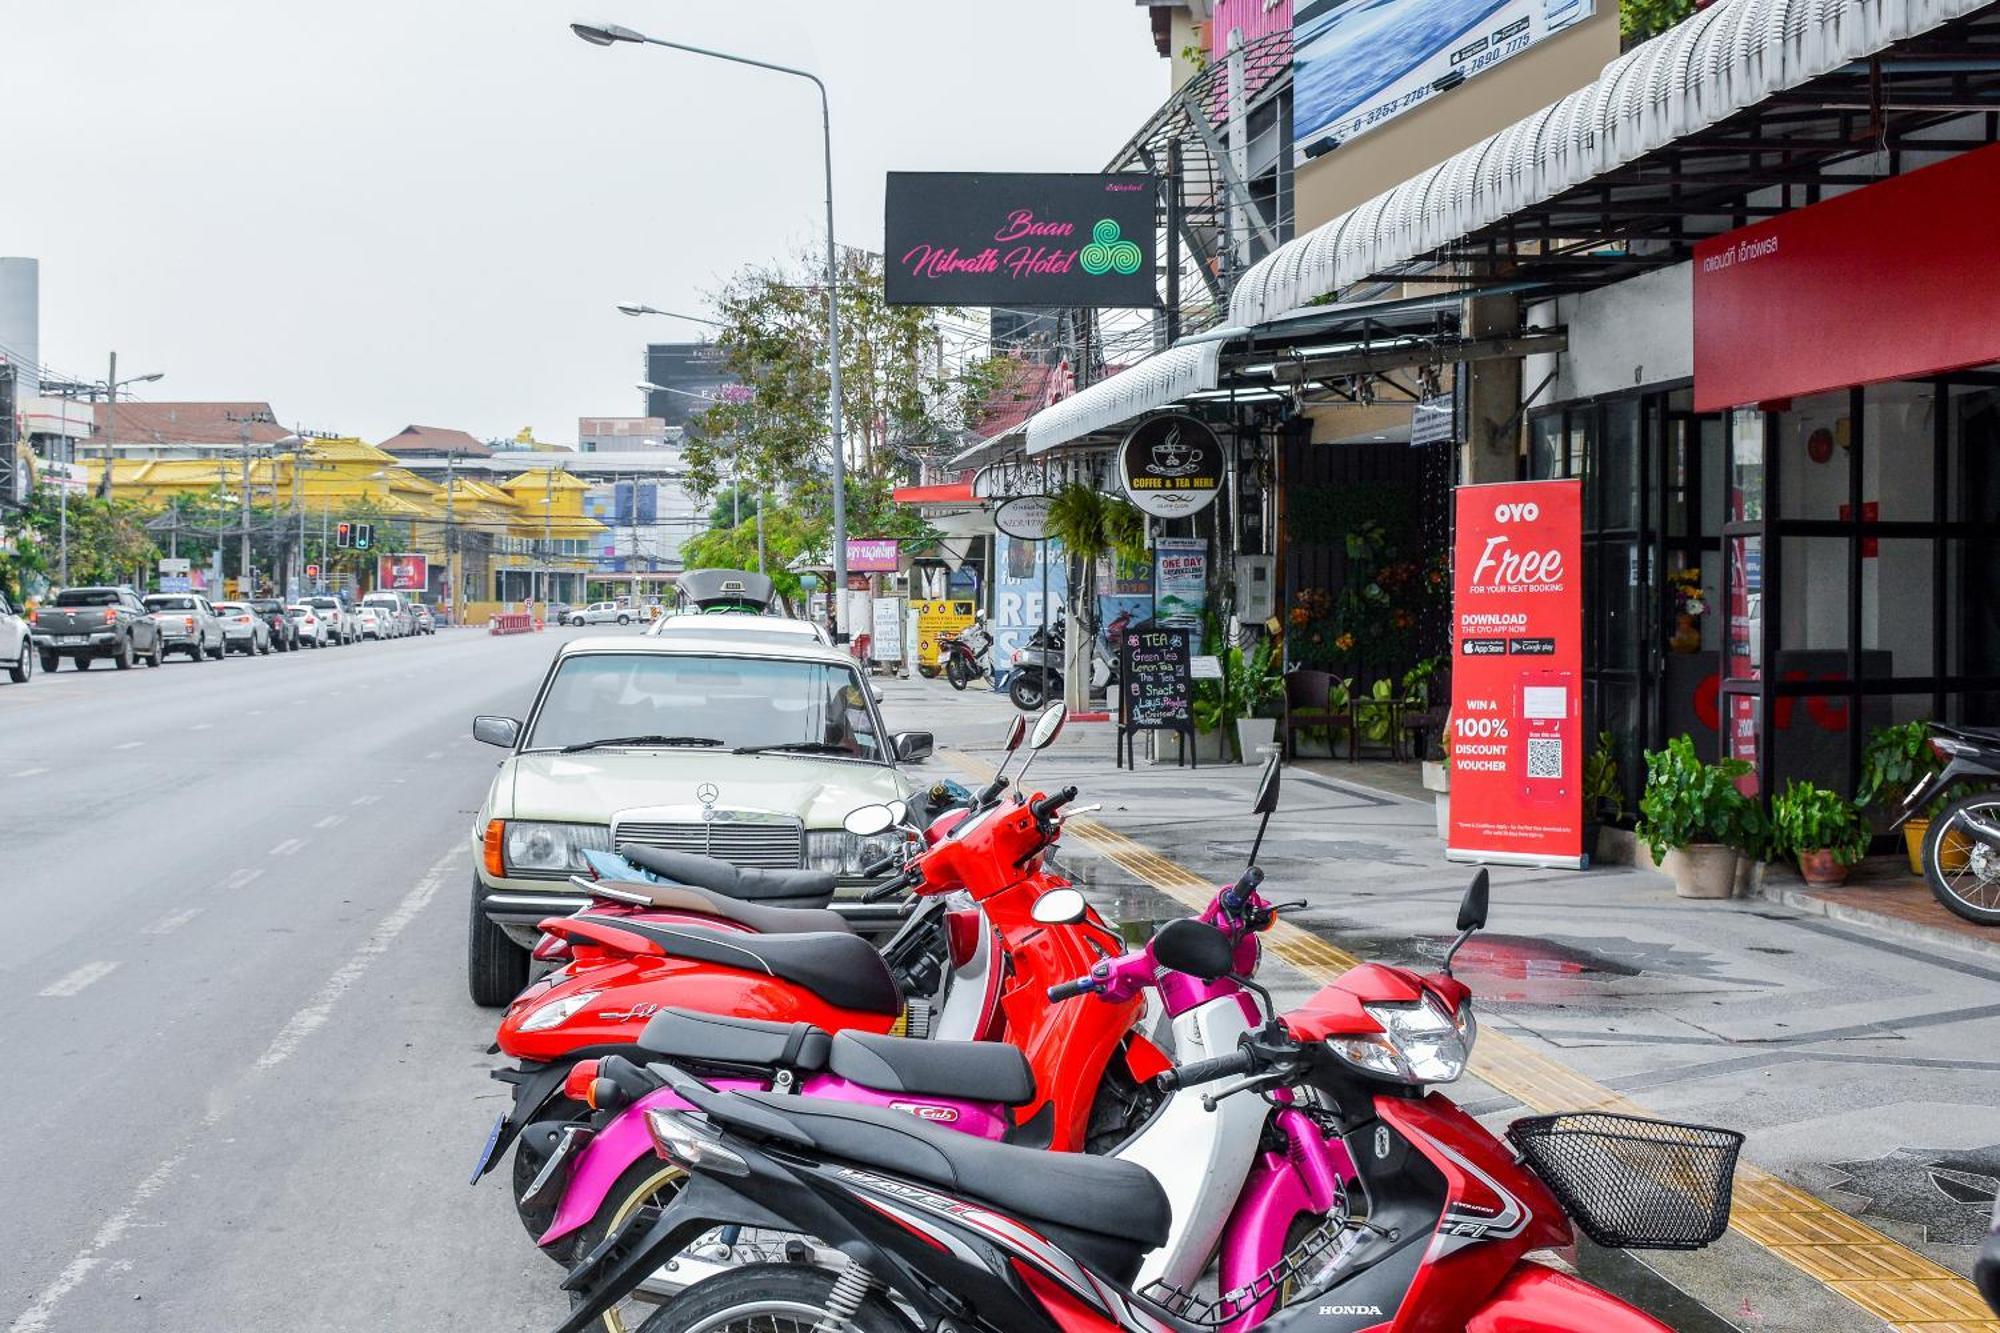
x=504, y=732
x=914, y=746
x=1472, y=910
x=1194, y=947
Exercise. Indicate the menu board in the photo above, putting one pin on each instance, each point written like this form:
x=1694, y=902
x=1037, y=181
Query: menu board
x=1155, y=686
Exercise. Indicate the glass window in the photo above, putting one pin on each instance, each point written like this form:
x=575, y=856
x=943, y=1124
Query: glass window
x=1898, y=424
x=1745, y=612
x=1544, y=447
x=1618, y=465
x=1815, y=596
x=1896, y=609
x=1814, y=453
x=1746, y=466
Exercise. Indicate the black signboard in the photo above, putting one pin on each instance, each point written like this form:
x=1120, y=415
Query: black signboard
x=1155, y=688
x=1171, y=466
x=1013, y=239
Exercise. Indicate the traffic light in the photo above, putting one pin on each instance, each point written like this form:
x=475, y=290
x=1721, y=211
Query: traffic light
x=312, y=571
x=364, y=536
x=343, y=534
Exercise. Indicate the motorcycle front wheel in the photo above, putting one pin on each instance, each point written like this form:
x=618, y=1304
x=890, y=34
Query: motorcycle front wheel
x=1027, y=691
x=958, y=671
x=1964, y=873
x=769, y=1298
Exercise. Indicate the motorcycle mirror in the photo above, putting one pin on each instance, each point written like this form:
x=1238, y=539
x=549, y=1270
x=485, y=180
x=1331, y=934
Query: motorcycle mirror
x=1194, y=947
x=1049, y=726
x=1472, y=911
x=1267, y=801
x=899, y=812
x=1017, y=731
x=869, y=820
x=1059, y=907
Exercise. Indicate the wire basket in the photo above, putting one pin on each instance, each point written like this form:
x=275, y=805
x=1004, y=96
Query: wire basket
x=1634, y=1184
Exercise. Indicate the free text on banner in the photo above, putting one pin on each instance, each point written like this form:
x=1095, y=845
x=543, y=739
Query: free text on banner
x=1517, y=675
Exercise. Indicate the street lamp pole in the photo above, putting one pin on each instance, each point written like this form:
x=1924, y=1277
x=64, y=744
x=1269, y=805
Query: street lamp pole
x=609, y=34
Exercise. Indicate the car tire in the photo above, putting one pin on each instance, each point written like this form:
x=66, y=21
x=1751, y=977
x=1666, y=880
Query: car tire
x=83, y=661
x=123, y=657
x=496, y=968
x=49, y=663
x=221, y=651
x=624, y=620
x=23, y=668
x=159, y=654
x=265, y=651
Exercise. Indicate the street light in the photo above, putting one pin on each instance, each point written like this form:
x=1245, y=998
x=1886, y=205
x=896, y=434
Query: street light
x=609, y=34
x=635, y=308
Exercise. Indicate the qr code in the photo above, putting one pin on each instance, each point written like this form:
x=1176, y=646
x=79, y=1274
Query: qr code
x=1545, y=757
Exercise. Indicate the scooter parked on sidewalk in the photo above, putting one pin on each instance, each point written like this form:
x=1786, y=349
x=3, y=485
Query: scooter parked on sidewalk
x=1961, y=852
x=1039, y=667
x=966, y=654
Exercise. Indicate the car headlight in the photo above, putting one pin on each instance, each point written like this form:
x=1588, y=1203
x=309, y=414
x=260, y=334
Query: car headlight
x=558, y=1013
x=1419, y=1043
x=846, y=853
x=553, y=848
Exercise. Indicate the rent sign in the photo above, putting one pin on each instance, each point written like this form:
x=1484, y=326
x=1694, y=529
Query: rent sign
x=1014, y=239
x=1516, y=735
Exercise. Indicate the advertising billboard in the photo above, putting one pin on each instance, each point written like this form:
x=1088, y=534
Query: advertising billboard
x=402, y=573
x=1019, y=239
x=1359, y=63
x=873, y=555
x=1516, y=727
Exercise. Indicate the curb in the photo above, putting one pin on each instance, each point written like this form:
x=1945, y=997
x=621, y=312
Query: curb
x=1799, y=900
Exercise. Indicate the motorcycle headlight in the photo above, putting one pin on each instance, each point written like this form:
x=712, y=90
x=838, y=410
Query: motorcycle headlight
x=558, y=1013
x=553, y=848
x=1419, y=1043
x=845, y=853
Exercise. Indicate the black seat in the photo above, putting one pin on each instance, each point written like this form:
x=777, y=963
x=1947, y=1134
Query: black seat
x=683, y=1034
x=777, y=888
x=760, y=917
x=1100, y=1197
x=843, y=970
x=982, y=1071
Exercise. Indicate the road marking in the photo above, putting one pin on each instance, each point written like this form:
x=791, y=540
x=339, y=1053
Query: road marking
x=435, y=754
x=330, y=821
x=201, y=726
x=35, y=1319
x=255, y=712
x=31, y=772
x=369, y=799
x=288, y=847
x=241, y=878
x=129, y=745
x=77, y=980
x=170, y=924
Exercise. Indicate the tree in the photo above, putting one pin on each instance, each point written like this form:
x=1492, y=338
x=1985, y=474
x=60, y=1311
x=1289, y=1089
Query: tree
x=108, y=542
x=1640, y=19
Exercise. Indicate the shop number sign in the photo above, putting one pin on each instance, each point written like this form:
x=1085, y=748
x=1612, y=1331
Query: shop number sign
x=1516, y=733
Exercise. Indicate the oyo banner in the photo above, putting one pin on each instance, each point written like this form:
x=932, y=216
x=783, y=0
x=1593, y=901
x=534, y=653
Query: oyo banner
x=1516, y=732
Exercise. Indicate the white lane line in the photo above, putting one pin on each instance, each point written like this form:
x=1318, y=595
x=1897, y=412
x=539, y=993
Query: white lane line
x=167, y=925
x=330, y=821
x=67, y=986
x=369, y=799
x=241, y=878
x=201, y=726
x=31, y=772
x=435, y=754
x=288, y=847
x=36, y=1318
x=129, y=745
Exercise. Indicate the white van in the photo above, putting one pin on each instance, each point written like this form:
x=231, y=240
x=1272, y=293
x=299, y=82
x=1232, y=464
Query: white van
x=396, y=607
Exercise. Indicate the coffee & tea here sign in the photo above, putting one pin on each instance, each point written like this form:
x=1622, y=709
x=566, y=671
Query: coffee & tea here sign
x=1171, y=466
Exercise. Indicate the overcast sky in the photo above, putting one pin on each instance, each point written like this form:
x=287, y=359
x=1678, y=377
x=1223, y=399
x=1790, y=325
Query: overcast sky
x=378, y=212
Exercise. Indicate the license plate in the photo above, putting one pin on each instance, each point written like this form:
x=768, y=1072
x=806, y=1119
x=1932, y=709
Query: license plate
x=75, y=638
x=486, y=1153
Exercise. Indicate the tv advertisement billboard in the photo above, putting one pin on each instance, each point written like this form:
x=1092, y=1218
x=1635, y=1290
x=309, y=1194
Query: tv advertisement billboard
x=1017, y=239
x=402, y=573
x=1359, y=63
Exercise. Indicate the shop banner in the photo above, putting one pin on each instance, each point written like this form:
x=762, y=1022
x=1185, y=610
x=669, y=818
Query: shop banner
x=1024, y=572
x=1180, y=581
x=1778, y=306
x=937, y=618
x=888, y=645
x=1516, y=731
x=873, y=555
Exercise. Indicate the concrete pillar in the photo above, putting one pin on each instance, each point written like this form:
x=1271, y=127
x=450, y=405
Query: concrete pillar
x=1492, y=389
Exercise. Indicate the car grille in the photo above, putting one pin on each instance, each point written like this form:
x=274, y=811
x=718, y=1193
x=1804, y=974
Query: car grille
x=773, y=843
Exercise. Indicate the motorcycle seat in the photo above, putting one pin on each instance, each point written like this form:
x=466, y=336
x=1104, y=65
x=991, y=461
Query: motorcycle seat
x=774, y=888
x=684, y=1034
x=843, y=970
x=760, y=917
x=1115, y=1207
x=981, y=1071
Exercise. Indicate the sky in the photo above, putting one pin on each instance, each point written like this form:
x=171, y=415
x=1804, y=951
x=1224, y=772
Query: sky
x=382, y=212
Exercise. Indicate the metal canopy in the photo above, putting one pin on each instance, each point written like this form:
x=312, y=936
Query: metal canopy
x=1749, y=108
x=1158, y=380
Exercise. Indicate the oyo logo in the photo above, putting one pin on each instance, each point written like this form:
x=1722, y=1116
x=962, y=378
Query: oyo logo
x=1107, y=251
x=1522, y=511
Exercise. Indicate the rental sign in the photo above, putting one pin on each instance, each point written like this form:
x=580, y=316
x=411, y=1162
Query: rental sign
x=1516, y=734
x=1018, y=239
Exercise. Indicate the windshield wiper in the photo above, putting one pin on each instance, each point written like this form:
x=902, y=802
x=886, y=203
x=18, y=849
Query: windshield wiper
x=608, y=741
x=796, y=747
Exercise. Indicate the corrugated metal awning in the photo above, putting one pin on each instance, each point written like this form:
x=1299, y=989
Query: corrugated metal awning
x=1162, y=378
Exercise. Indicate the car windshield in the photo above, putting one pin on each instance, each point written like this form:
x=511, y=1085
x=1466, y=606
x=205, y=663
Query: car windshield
x=170, y=603
x=762, y=703
x=87, y=597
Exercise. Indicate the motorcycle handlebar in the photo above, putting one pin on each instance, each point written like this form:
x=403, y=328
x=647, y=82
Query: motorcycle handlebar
x=888, y=887
x=1069, y=990
x=886, y=863
x=1239, y=1061
x=1048, y=805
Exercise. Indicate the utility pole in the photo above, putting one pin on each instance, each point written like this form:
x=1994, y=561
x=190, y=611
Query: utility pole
x=451, y=533
x=244, y=587
x=110, y=427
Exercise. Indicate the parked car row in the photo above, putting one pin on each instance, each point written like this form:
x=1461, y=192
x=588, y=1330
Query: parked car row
x=118, y=624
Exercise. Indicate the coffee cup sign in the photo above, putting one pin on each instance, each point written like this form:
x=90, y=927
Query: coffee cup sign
x=1171, y=466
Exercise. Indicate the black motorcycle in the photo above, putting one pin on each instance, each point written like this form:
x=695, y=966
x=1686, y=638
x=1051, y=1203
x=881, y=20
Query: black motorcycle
x=964, y=654
x=1961, y=852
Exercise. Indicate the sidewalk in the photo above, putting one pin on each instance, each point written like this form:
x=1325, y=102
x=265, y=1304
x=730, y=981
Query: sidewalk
x=1859, y=1066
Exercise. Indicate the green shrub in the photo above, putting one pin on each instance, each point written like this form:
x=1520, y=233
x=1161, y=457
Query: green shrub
x=1688, y=802
x=1806, y=818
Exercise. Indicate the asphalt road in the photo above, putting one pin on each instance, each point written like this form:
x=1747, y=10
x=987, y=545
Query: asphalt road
x=245, y=1083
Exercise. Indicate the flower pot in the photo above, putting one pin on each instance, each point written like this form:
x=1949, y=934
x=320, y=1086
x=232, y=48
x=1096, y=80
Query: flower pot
x=1212, y=747
x=1913, y=843
x=1821, y=868
x=1702, y=870
x=1444, y=817
x=1252, y=732
x=1437, y=776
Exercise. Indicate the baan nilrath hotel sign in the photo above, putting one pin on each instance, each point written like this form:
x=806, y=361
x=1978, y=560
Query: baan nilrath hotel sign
x=1001, y=239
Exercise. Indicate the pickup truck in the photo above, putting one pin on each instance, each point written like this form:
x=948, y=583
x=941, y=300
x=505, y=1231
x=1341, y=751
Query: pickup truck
x=84, y=624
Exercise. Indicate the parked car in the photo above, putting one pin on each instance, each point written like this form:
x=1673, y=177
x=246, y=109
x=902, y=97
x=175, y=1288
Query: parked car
x=371, y=622
x=284, y=634
x=84, y=624
x=752, y=751
x=243, y=630
x=17, y=644
x=187, y=624
x=339, y=621
x=740, y=625
x=395, y=609
x=312, y=631
x=425, y=619
x=601, y=613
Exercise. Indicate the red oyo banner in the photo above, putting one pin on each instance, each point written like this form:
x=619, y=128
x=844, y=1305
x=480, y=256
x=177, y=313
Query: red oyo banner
x=1516, y=731
x=402, y=573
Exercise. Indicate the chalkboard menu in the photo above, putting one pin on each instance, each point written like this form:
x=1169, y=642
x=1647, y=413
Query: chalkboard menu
x=1155, y=687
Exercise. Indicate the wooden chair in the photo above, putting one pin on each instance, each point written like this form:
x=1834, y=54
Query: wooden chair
x=1309, y=707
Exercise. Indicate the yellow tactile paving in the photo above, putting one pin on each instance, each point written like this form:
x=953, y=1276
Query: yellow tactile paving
x=1890, y=1281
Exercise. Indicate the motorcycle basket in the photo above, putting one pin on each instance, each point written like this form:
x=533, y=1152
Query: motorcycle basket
x=1631, y=1183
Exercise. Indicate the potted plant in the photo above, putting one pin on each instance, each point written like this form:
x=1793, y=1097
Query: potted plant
x=1897, y=759
x=1603, y=793
x=1821, y=829
x=1696, y=820
x=1260, y=691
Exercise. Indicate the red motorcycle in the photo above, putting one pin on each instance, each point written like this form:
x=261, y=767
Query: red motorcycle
x=963, y=1232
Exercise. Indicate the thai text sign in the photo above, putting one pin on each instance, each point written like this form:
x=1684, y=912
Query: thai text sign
x=937, y=618
x=1515, y=734
x=872, y=555
x=1012, y=239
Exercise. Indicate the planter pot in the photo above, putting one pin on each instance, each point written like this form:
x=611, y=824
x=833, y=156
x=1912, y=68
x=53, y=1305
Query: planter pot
x=1703, y=870
x=1213, y=747
x=1913, y=843
x=1254, y=732
x=1444, y=817
x=1821, y=869
x=1437, y=776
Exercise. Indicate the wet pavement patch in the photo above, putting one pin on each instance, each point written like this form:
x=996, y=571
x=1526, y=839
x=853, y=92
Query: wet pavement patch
x=1523, y=969
x=1949, y=1193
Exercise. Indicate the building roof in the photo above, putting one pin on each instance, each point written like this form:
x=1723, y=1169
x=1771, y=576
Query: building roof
x=186, y=423
x=1023, y=391
x=435, y=440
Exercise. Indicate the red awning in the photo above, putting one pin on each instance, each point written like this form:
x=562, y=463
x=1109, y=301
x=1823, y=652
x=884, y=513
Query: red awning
x=955, y=493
